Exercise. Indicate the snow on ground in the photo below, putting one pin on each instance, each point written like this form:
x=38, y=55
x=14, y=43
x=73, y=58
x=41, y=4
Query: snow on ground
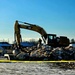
x=33, y=69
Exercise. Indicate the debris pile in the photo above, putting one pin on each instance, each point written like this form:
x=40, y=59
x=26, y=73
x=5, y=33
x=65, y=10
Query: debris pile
x=67, y=53
x=47, y=53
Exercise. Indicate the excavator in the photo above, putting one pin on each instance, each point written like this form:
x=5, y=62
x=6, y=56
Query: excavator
x=49, y=39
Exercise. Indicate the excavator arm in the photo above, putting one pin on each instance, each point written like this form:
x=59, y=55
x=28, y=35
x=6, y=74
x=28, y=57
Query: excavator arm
x=17, y=34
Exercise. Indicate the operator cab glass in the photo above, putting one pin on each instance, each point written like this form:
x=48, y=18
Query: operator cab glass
x=52, y=39
x=51, y=36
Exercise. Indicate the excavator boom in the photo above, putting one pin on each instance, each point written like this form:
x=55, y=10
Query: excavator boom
x=28, y=26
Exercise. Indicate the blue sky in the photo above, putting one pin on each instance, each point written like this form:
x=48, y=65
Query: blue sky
x=55, y=16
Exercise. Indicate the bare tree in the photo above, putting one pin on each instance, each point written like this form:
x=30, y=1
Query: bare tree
x=72, y=40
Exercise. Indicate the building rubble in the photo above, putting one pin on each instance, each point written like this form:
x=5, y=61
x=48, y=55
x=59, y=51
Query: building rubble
x=45, y=52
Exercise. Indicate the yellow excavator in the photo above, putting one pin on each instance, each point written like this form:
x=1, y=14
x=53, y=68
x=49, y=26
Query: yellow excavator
x=49, y=39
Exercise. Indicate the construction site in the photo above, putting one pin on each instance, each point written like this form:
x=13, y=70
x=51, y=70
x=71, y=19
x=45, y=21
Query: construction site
x=56, y=54
x=53, y=48
x=37, y=37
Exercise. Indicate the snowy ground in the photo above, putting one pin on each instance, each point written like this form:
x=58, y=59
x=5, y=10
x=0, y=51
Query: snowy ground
x=33, y=69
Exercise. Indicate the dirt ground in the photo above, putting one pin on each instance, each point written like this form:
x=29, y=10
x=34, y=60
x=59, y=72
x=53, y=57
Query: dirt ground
x=34, y=69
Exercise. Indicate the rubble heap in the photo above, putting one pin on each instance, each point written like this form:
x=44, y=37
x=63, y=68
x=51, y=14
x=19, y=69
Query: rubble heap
x=47, y=53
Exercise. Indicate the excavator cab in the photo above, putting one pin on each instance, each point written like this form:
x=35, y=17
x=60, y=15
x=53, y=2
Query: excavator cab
x=52, y=39
x=55, y=41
